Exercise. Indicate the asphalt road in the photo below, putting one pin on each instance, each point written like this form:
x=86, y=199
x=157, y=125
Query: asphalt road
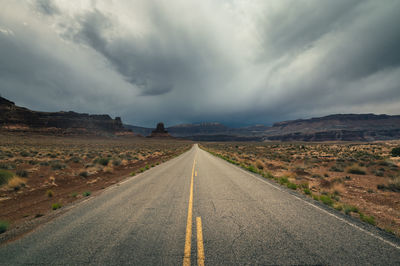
x=154, y=219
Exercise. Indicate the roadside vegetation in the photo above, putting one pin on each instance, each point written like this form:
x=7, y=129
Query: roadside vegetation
x=358, y=179
x=42, y=173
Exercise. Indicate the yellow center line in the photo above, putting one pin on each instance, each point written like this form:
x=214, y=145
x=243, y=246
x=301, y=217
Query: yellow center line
x=200, y=246
x=186, y=257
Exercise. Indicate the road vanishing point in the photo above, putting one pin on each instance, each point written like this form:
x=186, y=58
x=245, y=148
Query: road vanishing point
x=197, y=209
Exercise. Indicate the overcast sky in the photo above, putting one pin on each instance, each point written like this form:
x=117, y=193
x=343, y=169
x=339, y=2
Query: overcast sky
x=233, y=61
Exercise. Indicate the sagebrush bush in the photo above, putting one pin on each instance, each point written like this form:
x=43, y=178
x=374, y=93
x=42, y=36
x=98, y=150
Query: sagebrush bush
x=102, y=161
x=56, y=206
x=326, y=200
x=49, y=193
x=395, y=152
x=5, y=176
x=3, y=226
x=356, y=170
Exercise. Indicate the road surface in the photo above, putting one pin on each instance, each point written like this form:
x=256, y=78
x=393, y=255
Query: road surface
x=198, y=209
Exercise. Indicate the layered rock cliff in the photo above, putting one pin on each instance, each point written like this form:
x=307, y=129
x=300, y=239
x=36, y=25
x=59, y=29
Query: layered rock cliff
x=15, y=118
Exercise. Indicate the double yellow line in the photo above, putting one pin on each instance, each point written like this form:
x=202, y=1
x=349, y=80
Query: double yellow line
x=188, y=239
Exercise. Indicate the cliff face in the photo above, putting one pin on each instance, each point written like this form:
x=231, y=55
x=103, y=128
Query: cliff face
x=17, y=118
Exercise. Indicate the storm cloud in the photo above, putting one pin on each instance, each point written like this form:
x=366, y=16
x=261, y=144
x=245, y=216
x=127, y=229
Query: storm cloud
x=233, y=61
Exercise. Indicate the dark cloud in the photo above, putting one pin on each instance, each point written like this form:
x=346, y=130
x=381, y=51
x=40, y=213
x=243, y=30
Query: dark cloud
x=47, y=7
x=180, y=61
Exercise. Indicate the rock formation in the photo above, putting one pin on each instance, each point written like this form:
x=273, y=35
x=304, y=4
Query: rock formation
x=160, y=132
x=15, y=118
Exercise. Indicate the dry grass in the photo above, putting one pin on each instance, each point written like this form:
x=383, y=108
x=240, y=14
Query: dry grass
x=16, y=183
x=346, y=176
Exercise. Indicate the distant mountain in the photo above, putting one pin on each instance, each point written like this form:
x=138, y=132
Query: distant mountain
x=350, y=127
x=15, y=118
x=339, y=127
x=144, y=131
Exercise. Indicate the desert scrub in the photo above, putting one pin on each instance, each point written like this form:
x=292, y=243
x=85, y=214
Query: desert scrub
x=325, y=199
x=394, y=185
x=116, y=162
x=102, y=161
x=56, y=206
x=349, y=209
x=3, y=226
x=49, y=193
x=395, y=152
x=86, y=193
x=283, y=180
x=7, y=166
x=367, y=219
x=84, y=174
x=56, y=165
x=16, y=183
x=291, y=185
x=22, y=173
x=5, y=176
x=307, y=191
x=356, y=170
x=260, y=164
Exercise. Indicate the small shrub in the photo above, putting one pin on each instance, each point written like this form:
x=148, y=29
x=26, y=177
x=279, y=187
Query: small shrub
x=259, y=164
x=56, y=206
x=57, y=166
x=304, y=185
x=75, y=159
x=24, y=154
x=291, y=186
x=22, y=173
x=49, y=193
x=395, y=152
x=251, y=168
x=84, y=174
x=307, y=191
x=74, y=195
x=3, y=226
x=116, y=162
x=394, y=185
x=326, y=200
x=348, y=209
x=356, y=170
x=380, y=186
x=142, y=169
x=147, y=167
x=315, y=197
x=86, y=193
x=336, y=168
x=132, y=174
x=5, y=176
x=368, y=219
x=283, y=180
x=16, y=183
x=102, y=161
x=338, y=207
